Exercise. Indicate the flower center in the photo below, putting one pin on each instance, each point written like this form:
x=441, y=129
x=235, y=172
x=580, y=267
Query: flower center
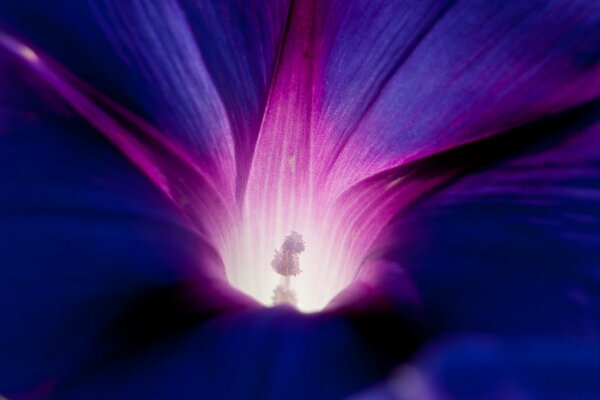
x=259, y=265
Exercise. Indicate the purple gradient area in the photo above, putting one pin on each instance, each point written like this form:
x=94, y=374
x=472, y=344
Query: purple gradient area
x=440, y=160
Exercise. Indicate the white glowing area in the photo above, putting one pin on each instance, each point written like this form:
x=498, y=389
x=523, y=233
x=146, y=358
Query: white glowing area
x=324, y=263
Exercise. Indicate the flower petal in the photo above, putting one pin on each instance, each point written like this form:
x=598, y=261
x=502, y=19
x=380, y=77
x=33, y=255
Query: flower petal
x=83, y=237
x=485, y=368
x=511, y=245
x=400, y=81
x=198, y=71
x=365, y=89
x=269, y=354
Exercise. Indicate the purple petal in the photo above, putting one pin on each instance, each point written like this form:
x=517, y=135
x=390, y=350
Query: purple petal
x=399, y=81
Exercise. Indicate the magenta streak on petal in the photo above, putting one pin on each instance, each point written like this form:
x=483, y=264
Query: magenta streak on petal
x=282, y=153
x=365, y=209
x=208, y=209
x=158, y=39
x=278, y=192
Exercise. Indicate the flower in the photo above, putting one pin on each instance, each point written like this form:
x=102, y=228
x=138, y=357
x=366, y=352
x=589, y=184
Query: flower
x=438, y=158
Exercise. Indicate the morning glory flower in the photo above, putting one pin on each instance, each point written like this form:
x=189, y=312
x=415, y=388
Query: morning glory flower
x=417, y=180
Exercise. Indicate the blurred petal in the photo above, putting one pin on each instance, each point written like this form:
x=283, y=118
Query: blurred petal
x=84, y=238
x=511, y=245
x=199, y=72
x=270, y=354
x=483, y=368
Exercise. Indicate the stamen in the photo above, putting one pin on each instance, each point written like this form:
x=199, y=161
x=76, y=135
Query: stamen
x=287, y=264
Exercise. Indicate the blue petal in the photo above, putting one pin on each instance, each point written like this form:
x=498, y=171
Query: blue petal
x=270, y=354
x=84, y=237
x=485, y=368
x=532, y=368
x=510, y=246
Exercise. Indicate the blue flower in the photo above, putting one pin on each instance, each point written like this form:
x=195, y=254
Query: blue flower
x=438, y=158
